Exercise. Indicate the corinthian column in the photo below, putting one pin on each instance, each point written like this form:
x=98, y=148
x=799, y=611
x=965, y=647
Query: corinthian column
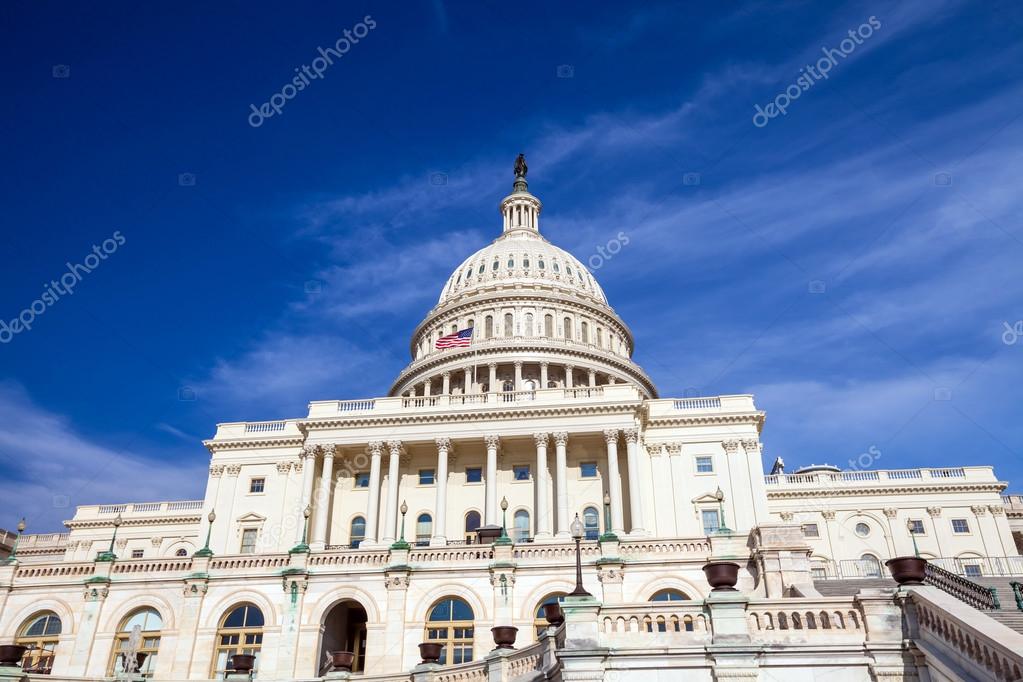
x=490, y=508
x=323, y=497
x=614, y=481
x=543, y=509
x=391, y=503
x=440, y=513
x=561, y=481
x=373, y=507
x=308, y=465
x=635, y=492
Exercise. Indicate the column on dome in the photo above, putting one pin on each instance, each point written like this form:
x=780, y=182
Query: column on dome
x=614, y=480
x=518, y=375
x=569, y=369
x=561, y=482
x=490, y=505
x=543, y=507
x=323, y=498
x=467, y=382
x=492, y=366
x=388, y=534
x=446, y=386
x=543, y=374
x=593, y=377
x=373, y=506
x=440, y=511
x=678, y=486
x=426, y=388
x=635, y=486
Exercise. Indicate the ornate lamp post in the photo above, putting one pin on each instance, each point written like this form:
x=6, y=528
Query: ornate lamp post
x=912, y=535
x=720, y=495
x=304, y=546
x=401, y=544
x=14, y=550
x=504, y=539
x=577, y=535
x=206, y=551
x=109, y=554
x=608, y=534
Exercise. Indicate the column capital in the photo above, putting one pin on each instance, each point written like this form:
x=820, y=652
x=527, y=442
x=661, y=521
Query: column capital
x=631, y=435
x=611, y=436
x=545, y=364
x=217, y=470
x=560, y=438
x=731, y=446
x=394, y=447
x=541, y=439
x=492, y=441
x=330, y=449
x=492, y=365
x=308, y=450
x=443, y=443
x=518, y=364
x=284, y=467
x=828, y=514
x=446, y=375
x=979, y=509
x=890, y=512
x=674, y=449
x=996, y=509
x=934, y=511
x=375, y=447
x=751, y=445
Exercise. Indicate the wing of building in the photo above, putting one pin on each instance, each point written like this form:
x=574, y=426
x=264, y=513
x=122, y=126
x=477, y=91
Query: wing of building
x=461, y=501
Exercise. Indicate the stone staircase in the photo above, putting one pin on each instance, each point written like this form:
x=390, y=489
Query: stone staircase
x=1008, y=615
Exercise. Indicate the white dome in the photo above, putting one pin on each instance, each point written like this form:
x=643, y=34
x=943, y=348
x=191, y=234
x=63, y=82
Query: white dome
x=521, y=258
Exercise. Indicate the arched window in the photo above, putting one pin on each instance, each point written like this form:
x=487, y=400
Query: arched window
x=548, y=326
x=591, y=523
x=584, y=331
x=181, y=552
x=870, y=566
x=556, y=268
x=149, y=625
x=472, y=524
x=424, y=529
x=521, y=533
x=568, y=328
x=540, y=620
x=600, y=337
x=488, y=326
x=358, y=531
x=450, y=624
x=669, y=595
x=540, y=264
x=470, y=324
x=525, y=261
x=240, y=632
x=528, y=331
x=509, y=324
x=40, y=634
x=511, y=262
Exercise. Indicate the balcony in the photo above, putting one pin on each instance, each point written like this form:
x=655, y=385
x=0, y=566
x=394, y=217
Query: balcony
x=106, y=512
x=824, y=479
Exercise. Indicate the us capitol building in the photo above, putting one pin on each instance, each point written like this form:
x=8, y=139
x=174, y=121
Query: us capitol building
x=454, y=505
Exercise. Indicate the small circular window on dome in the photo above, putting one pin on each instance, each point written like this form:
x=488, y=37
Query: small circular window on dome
x=862, y=529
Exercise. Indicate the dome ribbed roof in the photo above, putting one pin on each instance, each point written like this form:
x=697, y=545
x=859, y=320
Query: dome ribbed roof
x=521, y=258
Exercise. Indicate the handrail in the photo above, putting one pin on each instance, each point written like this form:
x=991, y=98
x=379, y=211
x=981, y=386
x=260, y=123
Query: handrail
x=1017, y=593
x=977, y=596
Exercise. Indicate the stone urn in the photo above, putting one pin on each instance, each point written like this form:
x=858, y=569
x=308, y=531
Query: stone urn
x=504, y=636
x=243, y=663
x=722, y=575
x=342, y=660
x=11, y=654
x=907, y=570
x=485, y=535
x=553, y=613
x=430, y=652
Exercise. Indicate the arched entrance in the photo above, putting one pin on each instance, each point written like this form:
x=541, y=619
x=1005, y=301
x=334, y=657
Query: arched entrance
x=344, y=629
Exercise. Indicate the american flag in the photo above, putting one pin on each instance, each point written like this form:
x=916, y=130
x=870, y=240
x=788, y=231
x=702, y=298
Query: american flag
x=460, y=339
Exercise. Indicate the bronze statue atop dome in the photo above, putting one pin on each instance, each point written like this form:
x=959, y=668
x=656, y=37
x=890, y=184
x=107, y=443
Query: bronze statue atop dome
x=520, y=166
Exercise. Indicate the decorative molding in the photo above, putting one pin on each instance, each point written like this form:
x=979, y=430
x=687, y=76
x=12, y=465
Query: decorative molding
x=674, y=449
x=541, y=439
x=397, y=582
x=330, y=450
x=631, y=435
x=284, y=467
x=978, y=509
x=493, y=442
x=611, y=436
x=308, y=450
x=828, y=514
x=376, y=448
x=751, y=445
x=298, y=582
x=443, y=443
x=609, y=575
x=996, y=509
x=195, y=588
x=216, y=470
x=891, y=512
x=561, y=438
x=156, y=540
x=934, y=511
x=233, y=470
x=394, y=447
x=731, y=446
x=97, y=593
x=786, y=515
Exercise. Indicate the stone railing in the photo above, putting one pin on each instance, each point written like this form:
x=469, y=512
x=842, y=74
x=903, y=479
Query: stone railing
x=60, y=570
x=249, y=561
x=877, y=476
x=805, y=619
x=977, y=596
x=634, y=550
x=554, y=552
x=451, y=555
x=108, y=511
x=134, y=567
x=653, y=624
x=957, y=640
x=353, y=558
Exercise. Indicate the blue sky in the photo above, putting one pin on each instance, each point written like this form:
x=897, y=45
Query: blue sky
x=853, y=262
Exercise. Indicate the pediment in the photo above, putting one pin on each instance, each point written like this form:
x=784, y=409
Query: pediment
x=251, y=517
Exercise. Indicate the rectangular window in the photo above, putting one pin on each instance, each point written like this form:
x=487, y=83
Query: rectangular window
x=521, y=472
x=588, y=470
x=960, y=526
x=810, y=530
x=916, y=526
x=362, y=480
x=256, y=485
x=249, y=541
x=136, y=554
x=711, y=523
x=704, y=464
x=474, y=475
x=818, y=571
x=972, y=570
x=426, y=477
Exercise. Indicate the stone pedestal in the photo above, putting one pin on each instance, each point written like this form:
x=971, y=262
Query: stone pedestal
x=728, y=618
x=782, y=558
x=581, y=622
x=338, y=675
x=12, y=673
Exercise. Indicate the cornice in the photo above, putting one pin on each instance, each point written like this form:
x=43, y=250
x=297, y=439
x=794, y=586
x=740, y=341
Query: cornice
x=146, y=521
x=755, y=418
x=245, y=443
x=629, y=407
x=848, y=491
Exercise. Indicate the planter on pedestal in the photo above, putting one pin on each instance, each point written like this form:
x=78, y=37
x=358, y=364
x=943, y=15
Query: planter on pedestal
x=243, y=663
x=430, y=652
x=504, y=636
x=342, y=660
x=11, y=654
x=553, y=613
x=907, y=570
x=722, y=575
